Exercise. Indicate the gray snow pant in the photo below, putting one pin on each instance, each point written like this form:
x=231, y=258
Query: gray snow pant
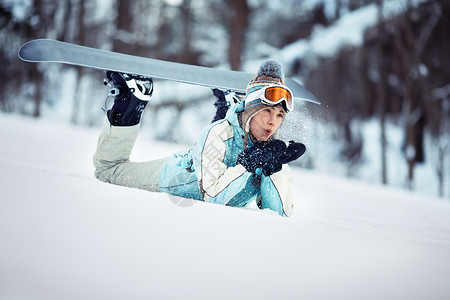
x=112, y=160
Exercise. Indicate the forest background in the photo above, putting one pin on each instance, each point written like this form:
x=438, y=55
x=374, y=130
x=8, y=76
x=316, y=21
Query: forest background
x=380, y=69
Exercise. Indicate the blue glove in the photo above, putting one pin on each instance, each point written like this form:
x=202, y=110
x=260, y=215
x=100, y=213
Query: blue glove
x=268, y=157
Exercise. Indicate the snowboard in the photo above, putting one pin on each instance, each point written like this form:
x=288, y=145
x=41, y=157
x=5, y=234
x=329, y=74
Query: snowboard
x=47, y=50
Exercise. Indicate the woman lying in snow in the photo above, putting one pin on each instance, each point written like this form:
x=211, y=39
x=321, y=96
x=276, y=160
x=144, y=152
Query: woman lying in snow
x=235, y=161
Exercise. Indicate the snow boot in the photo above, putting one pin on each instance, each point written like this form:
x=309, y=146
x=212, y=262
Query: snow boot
x=131, y=95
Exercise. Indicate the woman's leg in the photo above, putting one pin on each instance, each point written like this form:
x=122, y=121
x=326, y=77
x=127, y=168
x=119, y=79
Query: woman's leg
x=112, y=160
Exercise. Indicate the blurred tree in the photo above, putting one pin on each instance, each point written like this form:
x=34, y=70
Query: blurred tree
x=382, y=53
x=39, y=23
x=188, y=55
x=438, y=100
x=122, y=37
x=10, y=30
x=81, y=40
x=416, y=34
x=237, y=23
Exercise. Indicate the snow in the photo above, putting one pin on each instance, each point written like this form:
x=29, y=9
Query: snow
x=65, y=235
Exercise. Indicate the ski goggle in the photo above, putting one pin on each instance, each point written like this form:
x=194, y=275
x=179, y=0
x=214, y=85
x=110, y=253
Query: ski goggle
x=273, y=95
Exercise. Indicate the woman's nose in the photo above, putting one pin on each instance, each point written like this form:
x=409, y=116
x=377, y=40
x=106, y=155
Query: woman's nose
x=271, y=120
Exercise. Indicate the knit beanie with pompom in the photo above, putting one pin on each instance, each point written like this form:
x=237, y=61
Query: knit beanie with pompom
x=269, y=73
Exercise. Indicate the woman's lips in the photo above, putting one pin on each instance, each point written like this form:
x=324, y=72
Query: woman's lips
x=267, y=131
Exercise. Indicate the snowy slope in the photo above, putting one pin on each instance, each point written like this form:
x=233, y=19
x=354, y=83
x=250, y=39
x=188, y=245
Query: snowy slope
x=65, y=235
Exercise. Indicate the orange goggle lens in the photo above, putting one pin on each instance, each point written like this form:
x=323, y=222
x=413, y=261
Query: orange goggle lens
x=275, y=94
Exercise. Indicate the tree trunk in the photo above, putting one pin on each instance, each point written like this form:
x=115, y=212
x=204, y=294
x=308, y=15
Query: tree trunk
x=414, y=114
x=381, y=88
x=36, y=75
x=81, y=39
x=238, y=27
x=124, y=26
x=415, y=89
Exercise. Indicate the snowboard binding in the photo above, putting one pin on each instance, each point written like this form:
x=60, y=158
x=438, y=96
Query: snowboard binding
x=131, y=94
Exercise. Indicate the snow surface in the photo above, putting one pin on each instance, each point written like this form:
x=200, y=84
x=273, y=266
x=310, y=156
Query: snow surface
x=65, y=235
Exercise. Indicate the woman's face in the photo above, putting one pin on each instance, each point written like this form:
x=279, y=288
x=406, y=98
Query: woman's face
x=266, y=122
